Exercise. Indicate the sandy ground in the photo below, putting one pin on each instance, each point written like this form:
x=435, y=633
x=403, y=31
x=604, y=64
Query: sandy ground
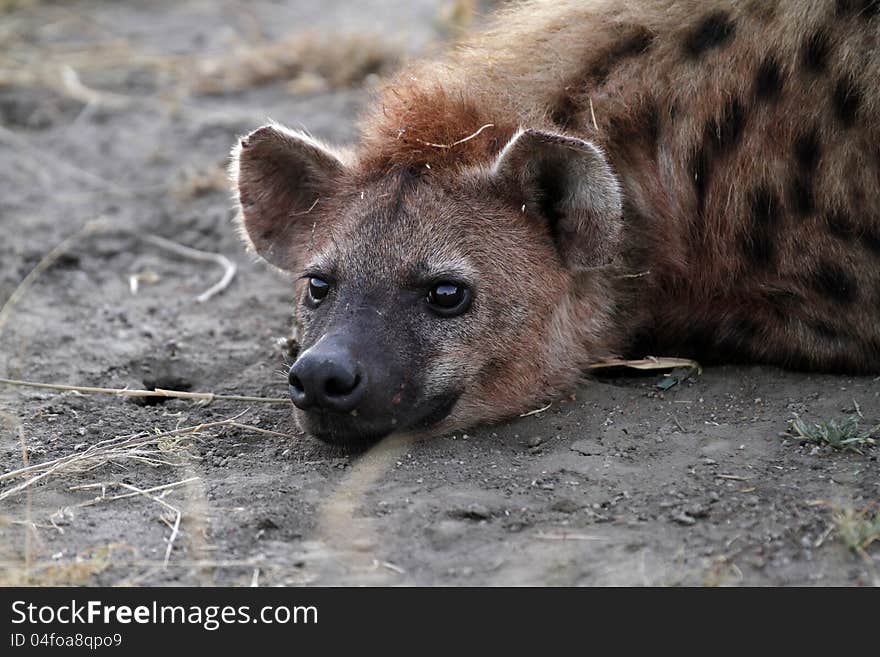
x=122, y=113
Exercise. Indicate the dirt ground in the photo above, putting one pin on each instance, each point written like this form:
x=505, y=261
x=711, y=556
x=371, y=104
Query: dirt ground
x=115, y=123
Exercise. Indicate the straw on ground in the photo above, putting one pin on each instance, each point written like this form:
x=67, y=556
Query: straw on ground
x=207, y=397
x=150, y=447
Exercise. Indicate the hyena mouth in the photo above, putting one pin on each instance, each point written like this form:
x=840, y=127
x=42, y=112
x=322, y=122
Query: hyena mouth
x=351, y=430
x=442, y=408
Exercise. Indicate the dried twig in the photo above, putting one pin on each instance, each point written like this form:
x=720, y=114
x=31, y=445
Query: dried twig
x=593, y=116
x=229, y=267
x=731, y=477
x=175, y=528
x=107, y=484
x=460, y=141
x=208, y=397
x=537, y=410
x=75, y=88
x=565, y=536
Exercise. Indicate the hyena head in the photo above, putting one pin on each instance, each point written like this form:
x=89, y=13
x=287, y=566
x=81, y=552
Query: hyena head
x=427, y=299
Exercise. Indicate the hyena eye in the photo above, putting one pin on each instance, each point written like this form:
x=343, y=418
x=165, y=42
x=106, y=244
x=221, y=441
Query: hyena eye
x=318, y=288
x=449, y=299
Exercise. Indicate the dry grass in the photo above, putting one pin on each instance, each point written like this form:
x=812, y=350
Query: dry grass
x=858, y=528
x=193, y=182
x=154, y=448
x=307, y=62
x=456, y=17
x=14, y=5
x=78, y=571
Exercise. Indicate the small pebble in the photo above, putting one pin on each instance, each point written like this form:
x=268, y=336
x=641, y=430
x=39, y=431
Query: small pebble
x=535, y=441
x=684, y=519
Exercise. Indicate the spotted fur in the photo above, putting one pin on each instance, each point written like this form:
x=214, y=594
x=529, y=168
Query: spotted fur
x=740, y=136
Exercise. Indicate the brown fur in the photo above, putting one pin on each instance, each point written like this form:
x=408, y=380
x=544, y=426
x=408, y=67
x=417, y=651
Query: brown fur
x=745, y=142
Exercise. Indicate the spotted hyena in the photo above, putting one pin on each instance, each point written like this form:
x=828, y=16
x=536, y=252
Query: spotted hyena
x=584, y=179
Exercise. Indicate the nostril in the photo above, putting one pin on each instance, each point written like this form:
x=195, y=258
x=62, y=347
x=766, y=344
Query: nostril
x=337, y=387
x=332, y=381
x=297, y=388
x=295, y=383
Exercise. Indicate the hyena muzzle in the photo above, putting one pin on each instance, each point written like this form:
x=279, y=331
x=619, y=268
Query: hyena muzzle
x=583, y=180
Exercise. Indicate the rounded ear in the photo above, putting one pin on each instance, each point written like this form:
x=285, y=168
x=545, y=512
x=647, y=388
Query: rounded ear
x=568, y=183
x=279, y=176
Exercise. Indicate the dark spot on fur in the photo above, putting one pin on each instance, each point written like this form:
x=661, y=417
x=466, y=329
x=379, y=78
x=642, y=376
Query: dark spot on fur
x=759, y=248
x=840, y=225
x=824, y=330
x=760, y=242
x=742, y=330
x=871, y=240
x=635, y=42
x=700, y=171
x=727, y=341
x=761, y=9
x=650, y=124
x=564, y=110
x=866, y=9
x=724, y=132
x=847, y=99
x=494, y=369
x=638, y=42
x=801, y=195
x=815, y=52
x=733, y=342
x=807, y=150
x=782, y=302
x=764, y=207
x=700, y=341
x=714, y=30
x=783, y=298
x=872, y=353
x=643, y=342
x=768, y=80
x=641, y=131
x=834, y=282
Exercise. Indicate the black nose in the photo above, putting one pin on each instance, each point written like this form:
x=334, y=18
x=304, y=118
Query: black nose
x=326, y=378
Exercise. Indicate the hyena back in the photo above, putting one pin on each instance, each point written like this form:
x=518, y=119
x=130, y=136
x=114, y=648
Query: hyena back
x=583, y=180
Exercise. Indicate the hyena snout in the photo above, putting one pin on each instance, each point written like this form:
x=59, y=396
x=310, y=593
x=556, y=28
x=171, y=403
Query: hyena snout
x=328, y=377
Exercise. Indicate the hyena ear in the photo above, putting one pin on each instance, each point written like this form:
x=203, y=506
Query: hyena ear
x=279, y=177
x=568, y=183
